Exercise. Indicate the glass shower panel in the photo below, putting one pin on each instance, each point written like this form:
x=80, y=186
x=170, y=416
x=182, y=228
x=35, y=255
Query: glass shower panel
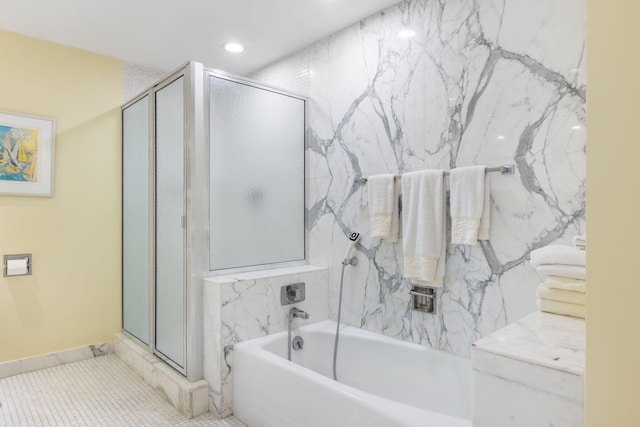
x=135, y=219
x=256, y=175
x=170, y=222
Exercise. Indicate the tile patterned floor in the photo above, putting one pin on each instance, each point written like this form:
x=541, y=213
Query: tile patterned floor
x=94, y=392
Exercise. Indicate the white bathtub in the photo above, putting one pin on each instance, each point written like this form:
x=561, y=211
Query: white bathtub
x=382, y=382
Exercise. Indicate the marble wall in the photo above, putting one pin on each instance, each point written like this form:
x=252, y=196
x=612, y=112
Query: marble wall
x=480, y=82
x=44, y=361
x=189, y=398
x=243, y=306
x=530, y=373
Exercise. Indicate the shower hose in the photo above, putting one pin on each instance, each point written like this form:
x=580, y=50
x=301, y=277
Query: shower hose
x=335, y=346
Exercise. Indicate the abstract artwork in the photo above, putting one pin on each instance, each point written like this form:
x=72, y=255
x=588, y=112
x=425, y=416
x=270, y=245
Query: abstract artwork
x=26, y=155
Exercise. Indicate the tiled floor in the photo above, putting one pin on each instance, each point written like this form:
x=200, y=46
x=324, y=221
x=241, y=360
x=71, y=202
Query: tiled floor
x=96, y=392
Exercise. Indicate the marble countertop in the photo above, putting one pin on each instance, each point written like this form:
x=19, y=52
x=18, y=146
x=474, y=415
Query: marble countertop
x=263, y=274
x=545, y=339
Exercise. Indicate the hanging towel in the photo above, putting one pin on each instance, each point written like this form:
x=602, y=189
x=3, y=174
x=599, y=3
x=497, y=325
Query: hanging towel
x=580, y=242
x=558, y=254
x=485, y=219
x=564, y=308
x=572, y=297
x=562, y=270
x=469, y=203
x=557, y=282
x=383, y=206
x=424, y=226
x=395, y=234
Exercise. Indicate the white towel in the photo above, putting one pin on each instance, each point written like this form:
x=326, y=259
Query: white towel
x=562, y=270
x=572, y=297
x=558, y=254
x=383, y=206
x=485, y=219
x=470, y=198
x=567, y=284
x=564, y=308
x=580, y=242
x=424, y=226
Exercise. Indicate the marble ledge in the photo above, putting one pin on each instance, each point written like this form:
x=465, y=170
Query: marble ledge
x=263, y=274
x=189, y=398
x=50, y=360
x=544, y=339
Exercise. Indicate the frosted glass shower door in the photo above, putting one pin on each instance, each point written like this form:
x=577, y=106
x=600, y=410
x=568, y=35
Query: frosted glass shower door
x=170, y=222
x=135, y=219
x=256, y=175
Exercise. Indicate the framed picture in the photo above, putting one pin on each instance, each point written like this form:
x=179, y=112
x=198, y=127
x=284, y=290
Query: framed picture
x=26, y=155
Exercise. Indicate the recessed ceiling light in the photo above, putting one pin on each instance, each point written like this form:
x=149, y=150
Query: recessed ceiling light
x=500, y=136
x=233, y=47
x=406, y=33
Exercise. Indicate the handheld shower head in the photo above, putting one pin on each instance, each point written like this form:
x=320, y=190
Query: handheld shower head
x=353, y=239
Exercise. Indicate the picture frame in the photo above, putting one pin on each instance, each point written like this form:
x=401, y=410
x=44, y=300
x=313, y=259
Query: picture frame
x=26, y=155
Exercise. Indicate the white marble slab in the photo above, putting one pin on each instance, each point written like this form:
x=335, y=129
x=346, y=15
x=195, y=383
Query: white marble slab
x=276, y=272
x=242, y=306
x=530, y=373
x=481, y=82
x=545, y=380
x=190, y=398
x=502, y=402
x=544, y=339
x=35, y=363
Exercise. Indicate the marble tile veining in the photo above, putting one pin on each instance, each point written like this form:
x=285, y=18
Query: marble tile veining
x=190, y=398
x=502, y=402
x=242, y=306
x=35, y=363
x=530, y=373
x=544, y=339
x=480, y=82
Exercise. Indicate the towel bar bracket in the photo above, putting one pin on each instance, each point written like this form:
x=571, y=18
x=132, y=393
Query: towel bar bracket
x=507, y=170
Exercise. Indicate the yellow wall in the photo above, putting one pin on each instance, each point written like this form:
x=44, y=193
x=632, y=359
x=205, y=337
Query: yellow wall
x=613, y=214
x=73, y=296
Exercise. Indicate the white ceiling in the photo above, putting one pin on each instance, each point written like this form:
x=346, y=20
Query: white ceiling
x=163, y=34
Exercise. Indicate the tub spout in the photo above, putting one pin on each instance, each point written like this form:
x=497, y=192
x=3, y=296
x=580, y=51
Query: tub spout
x=293, y=313
x=296, y=312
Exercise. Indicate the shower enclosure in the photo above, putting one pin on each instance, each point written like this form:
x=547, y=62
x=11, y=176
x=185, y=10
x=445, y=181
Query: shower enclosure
x=212, y=181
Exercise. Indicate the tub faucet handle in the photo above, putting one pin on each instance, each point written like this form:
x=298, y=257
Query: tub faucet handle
x=293, y=293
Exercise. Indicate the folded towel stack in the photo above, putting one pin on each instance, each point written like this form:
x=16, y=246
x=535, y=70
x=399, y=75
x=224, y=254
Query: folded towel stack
x=580, y=242
x=564, y=288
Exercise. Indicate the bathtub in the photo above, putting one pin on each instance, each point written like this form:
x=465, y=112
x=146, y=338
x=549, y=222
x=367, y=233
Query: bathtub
x=382, y=382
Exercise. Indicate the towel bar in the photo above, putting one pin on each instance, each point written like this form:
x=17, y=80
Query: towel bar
x=504, y=170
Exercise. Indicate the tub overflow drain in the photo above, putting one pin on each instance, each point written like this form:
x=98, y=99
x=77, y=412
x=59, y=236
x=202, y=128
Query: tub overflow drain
x=297, y=343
